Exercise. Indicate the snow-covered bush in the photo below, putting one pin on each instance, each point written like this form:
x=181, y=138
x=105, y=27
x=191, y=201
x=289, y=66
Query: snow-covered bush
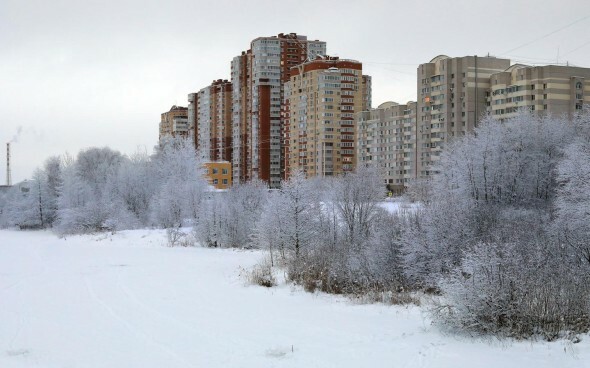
x=261, y=274
x=331, y=231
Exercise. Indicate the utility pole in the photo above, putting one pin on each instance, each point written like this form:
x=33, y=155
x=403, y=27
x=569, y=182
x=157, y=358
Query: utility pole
x=8, y=174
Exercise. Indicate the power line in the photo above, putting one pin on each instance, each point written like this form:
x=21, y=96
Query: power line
x=547, y=35
x=387, y=63
x=577, y=48
x=532, y=59
x=392, y=70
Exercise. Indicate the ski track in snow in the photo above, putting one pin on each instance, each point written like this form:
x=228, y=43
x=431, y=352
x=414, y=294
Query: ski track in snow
x=150, y=340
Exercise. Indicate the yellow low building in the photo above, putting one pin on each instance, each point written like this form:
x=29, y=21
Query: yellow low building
x=218, y=174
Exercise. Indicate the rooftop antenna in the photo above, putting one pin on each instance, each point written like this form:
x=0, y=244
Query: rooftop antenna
x=8, y=175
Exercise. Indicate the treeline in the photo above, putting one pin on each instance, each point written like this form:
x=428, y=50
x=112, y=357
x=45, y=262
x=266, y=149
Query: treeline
x=501, y=235
x=101, y=189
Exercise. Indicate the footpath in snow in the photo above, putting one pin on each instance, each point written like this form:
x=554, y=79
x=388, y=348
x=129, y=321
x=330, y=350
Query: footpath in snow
x=126, y=300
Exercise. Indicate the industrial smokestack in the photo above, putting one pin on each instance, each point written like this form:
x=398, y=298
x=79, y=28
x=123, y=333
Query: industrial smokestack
x=8, y=175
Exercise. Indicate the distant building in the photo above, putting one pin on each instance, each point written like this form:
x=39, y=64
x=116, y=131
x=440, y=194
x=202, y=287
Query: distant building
x=452, y=97
x=210, y=112
x=550, y=89
x=386, y=137
x=321, y=100
x=192, y=116
x=258, y=76
x=174, y=123
x=219, y=174
x=367, y=91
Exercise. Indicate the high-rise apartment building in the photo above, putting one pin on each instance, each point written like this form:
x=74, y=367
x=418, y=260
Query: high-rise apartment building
x=553, y=89
x=193, y=130
x=241, y=117
x=321, y=100
x=210, y=112
x=174, y=123
x=367, y=92
x=451, y=100
x=386, y=137
x=258, y=76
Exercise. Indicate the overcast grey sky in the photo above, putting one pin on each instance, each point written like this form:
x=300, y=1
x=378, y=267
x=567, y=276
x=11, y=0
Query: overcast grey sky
x=83, y=73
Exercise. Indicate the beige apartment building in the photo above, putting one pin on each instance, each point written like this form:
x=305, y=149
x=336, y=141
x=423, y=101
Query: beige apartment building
x=210, y=116
x=451, y=100
x=322, y=99
x=386, y=137
x=258, y=76
x=550, y=89
x=174, y=123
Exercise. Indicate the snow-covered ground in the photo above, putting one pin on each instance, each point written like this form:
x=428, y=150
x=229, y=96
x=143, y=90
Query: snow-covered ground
x=398, y=205
x=126, y=300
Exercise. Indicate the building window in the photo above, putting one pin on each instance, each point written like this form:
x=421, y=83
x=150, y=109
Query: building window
x=224, y=172
x=544, y=85
x=579, y=85
x=225, y=181
x=215, y=181
x=544, y=107
x=214, y=171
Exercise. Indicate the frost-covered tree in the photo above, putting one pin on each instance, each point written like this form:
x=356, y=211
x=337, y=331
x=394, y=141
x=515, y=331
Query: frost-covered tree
x=301, y=207
x=573, y=202
x=232, y=215
x=384, y=252
x=294, y=212
x=130, y=192
x=208, y=227
x=182, y=185
x=267, y=233
x=503, y=167
x=33, y=203
x=81, y=201
x=24, y=206
x=356, y=196
x=52, y=170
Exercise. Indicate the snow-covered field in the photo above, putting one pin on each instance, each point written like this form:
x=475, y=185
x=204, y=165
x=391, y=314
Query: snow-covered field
x=126, y=300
